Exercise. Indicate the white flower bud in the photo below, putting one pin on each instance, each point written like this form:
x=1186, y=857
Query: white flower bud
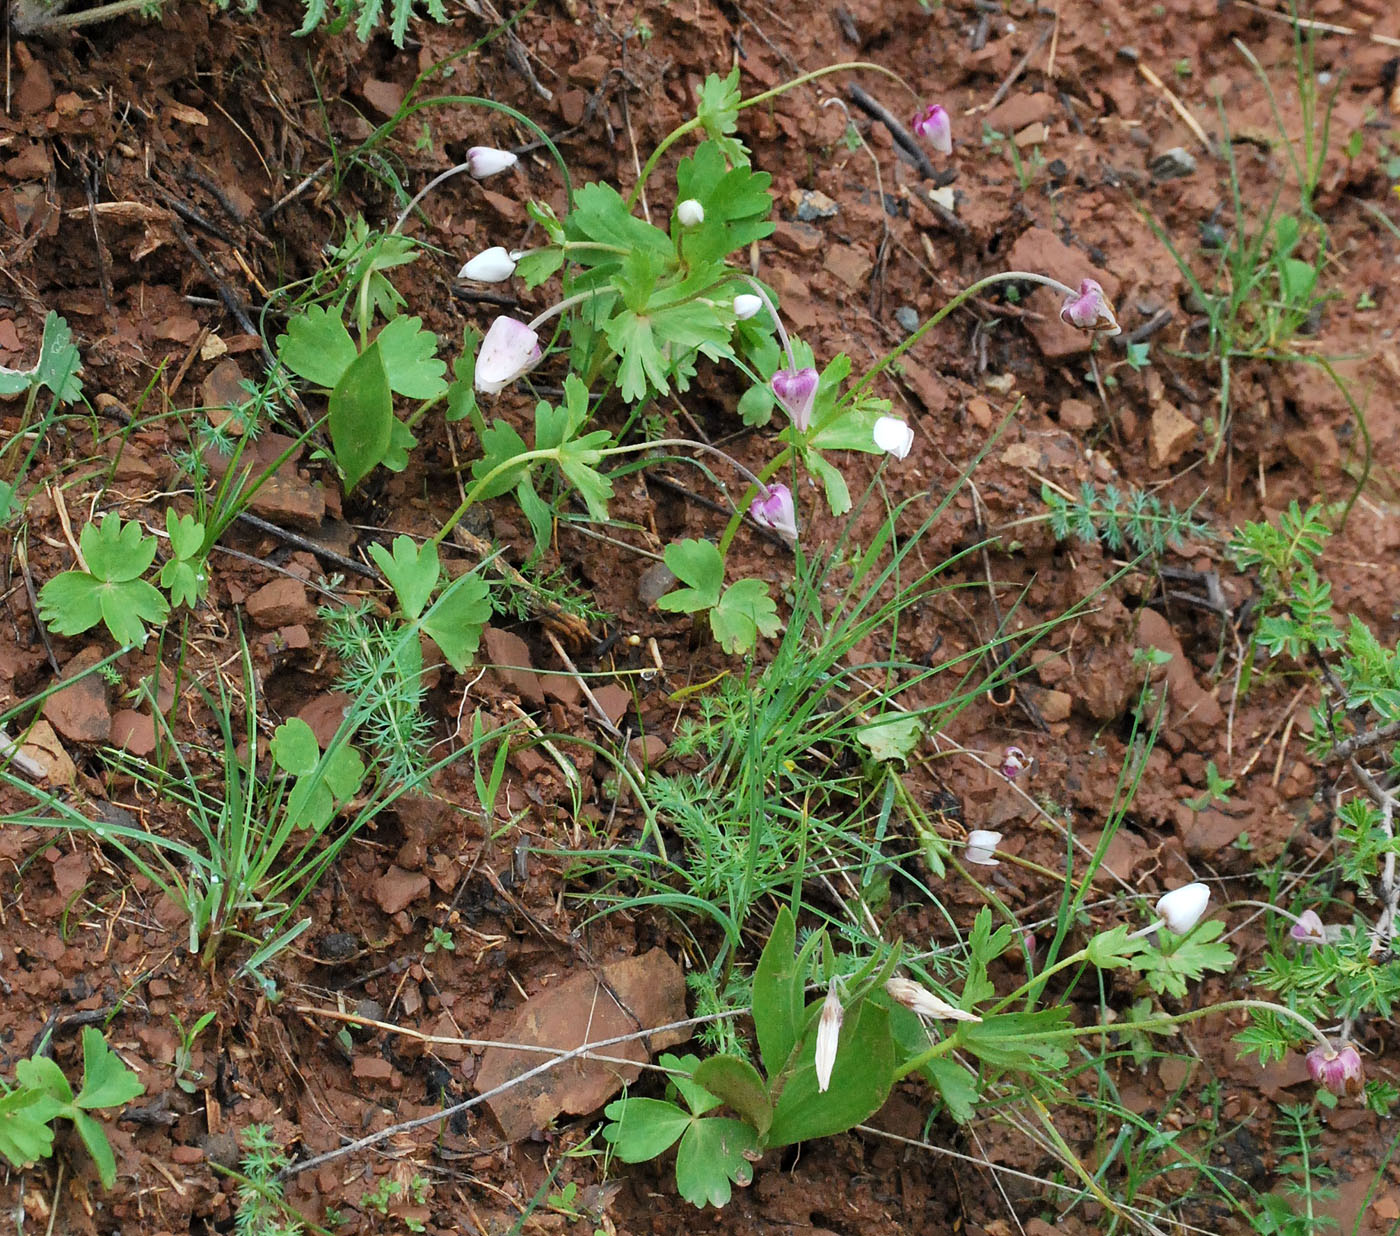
x=1181, y=909
x=828, y=1035
x=690, y=213
x=893, y=436
x=483, y=161
x=489, y=266
x=981, y=846
x=920, y=1000
x=746, y=304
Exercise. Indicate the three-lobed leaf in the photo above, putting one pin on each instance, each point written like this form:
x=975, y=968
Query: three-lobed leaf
x=412, y=571
x=700, y=566
x=317, y=346
x=743, y=613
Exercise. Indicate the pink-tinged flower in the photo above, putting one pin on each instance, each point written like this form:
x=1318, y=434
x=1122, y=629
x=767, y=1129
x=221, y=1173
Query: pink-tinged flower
x=1014, y=763
x=1181, y=909
x=934, y=126
x=828, y=1035
x=920, y=1000
x=893, y=436
x=1309, y=928
x=1090, y=310
x=483, y=161
x=509, y=349
x=776, y=510
x=489, y=266
x=1337, y=1071
x=796, y=390
x=981, y=847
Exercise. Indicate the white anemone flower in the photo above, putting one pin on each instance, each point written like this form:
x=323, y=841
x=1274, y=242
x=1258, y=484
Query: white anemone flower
x=981, y=846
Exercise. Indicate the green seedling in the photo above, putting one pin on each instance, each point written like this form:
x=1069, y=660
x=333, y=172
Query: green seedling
x=110, y=590
x=41, y=1094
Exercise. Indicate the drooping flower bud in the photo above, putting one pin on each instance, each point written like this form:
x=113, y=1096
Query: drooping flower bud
x=1181, y=909
x=893, y=436
x=796, y=390
x=1090, y=310
x=509, y=349
x=776, y=510
x=746, y=305
x=1014, y=763
x=920, y=1000
x=828, y=1035
x=489, y=266
x=1338, y=1071
x=934, y=126
x=483, y=161
x=690, y=213
x=1309, y=928
x=980, y=848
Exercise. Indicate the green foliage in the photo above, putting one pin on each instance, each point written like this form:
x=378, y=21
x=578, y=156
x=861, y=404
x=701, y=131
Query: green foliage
x=56, y=370
x=110, y=591
x=184, y=576
x=261, y=1207
x=41, y=1094
x=1291, y=1210
x=1135, y=520
x=738, y=615
x=1177, y=959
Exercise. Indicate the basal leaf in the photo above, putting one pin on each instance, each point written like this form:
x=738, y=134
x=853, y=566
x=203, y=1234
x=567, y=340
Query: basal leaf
x=412, y=571
x=69, y=603
x=738, y=1084
x=713, y=1154
x=128, y=607
x=641, y=1129
x=410, y=359
x=745, y=612
x=861, y=1078
x=59, y=361
x=317, y=346
x=776, y=1014
x=107, y=1082
x=117, y=550
x=294, y=748
x=361, y=416
x=95, y=1139
x=456, y=619
x=891, y=737
x=700, y=566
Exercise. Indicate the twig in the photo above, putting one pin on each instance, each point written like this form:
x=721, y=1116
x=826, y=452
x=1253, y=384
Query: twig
x=1177, y=106
x=394, y=1130
x=314, y=547
x=1307, y=23
x=1363, y=741
x=1020, y=67
x=598, y=711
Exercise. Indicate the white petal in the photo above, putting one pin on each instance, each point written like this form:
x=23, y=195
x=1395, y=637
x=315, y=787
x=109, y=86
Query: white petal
x=1181, y=909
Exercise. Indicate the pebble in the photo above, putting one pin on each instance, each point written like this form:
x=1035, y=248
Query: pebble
x=907, y=317
x=1172, y=164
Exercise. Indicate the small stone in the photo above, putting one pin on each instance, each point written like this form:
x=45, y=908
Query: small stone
x=799, y=238
x=1171, y=435
x=187, y=1156
x=222, y=391
x=324, y=714
x=1020, y=110
x=290, y=502
x=1054, y=706
x=810, y=205
x=1172, y=164
x=398, y=889
x=43, y=748
x=848, y=264
x=1032, y=135
x=337, y=946
x=133, y=732
x=1076, y=414
x=908, y=318
x=614, y=701
x=589, y=71
x=572, y=105
x=654, y=583
x=386, y=98
x=80, y=713
x=509, y=658
x=980, y=411
x=35, y=90
x=647, y=750
x=372, y=1068
x=281, y=603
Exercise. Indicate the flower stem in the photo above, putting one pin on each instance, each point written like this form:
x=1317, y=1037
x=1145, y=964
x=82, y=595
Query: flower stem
x=694, y=122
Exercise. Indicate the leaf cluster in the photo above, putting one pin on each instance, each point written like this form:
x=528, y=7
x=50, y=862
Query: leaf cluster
x=1133, y=520
x=41, y=1094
